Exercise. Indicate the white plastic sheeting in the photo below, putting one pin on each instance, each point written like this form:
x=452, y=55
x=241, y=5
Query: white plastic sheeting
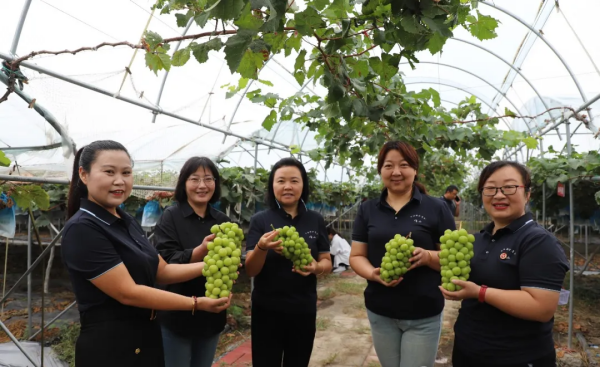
x=11, y=356
x=196, y=91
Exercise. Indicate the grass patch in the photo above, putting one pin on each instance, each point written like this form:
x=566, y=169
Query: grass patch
x=323, y=323
x=326, y=294
x=330, y=359
x=350, y=288
x=65, y=348
x=362, y=330
x=373, y=364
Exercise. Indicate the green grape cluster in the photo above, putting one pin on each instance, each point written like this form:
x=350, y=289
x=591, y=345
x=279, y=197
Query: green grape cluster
x=395, y=262
x=223, y=259
x=455, y=257
x=294, y=246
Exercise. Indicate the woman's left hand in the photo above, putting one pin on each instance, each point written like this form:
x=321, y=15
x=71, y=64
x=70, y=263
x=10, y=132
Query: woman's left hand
x=421, y=257
x=469, y=290
x=308, y=269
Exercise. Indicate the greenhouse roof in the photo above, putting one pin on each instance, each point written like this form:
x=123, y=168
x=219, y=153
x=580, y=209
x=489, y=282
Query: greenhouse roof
x=542, y=58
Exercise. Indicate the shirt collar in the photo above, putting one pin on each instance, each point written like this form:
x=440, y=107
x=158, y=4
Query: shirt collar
x=416, y=196
x=301, y=210
x=187, y=210
x=514, y=226
x=99, y=212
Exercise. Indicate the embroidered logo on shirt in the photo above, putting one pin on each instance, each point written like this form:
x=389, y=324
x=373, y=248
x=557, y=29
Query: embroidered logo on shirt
x=505, y=253
x=313, y=235
x=417, y=218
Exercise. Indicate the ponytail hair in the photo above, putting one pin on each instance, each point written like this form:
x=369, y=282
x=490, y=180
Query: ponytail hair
x=84, y=158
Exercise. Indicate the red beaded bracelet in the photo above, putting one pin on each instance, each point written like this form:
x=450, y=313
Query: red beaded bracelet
x=482, y=293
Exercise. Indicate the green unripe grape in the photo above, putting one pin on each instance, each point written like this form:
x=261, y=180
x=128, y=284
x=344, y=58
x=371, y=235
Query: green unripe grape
x=210, y=246
x=471, y=238
x=458, y=246
x=215, y=229
x=469, y=246
x=210, y=287
x=460, y=256
x=217, y=275
x=443, y=247
x=403, y=247
x=450, y=244
x=233, y=276
x=463, y=239
x=225, y=278
x=453, y=251
x=218, y=283
x=225, y=270
x=462, y=264
x=211, y=254
x=229, y=284
x=216, y=257
x=463, y=232
x=410, y=242
x=227, y=261
x=213, y=269
x=210, y=262
x=451, y=258
x=447, y=232
x=224, y=293
x=452, y=265
x=208, y=293
x=444, y=254
x=444, y=280
x=443, y=261
x=219, y=264
x=451, y=287
x=457, y=271
x=232, y=269
x=216, y=291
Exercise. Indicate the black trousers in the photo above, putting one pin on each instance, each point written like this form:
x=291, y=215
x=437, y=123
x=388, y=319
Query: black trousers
x=113, y=340
x=281, y=339
x=460, y=359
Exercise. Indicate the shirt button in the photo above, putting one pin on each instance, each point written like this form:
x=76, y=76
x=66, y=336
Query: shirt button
x=493, y=240
x=137, y=351
x=487, y=252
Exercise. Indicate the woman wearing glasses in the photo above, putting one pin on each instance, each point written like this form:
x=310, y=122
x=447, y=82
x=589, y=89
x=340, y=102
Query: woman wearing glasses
x=508, y=306
x=181, y=237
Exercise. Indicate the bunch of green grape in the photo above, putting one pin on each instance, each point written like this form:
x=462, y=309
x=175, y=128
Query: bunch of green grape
x=395, y=262
x=455, y=257
x=294, y=246
x=223, y=259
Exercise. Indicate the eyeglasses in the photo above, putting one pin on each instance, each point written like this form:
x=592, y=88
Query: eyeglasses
x=506, y=190
x=208, y=180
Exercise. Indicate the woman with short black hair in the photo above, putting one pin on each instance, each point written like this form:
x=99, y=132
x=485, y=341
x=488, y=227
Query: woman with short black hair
x=508, y=304
x=181, y=236
x=284, y=299
x=114, y=268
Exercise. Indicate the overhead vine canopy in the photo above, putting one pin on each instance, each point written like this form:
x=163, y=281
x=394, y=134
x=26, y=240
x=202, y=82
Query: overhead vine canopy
x=348, y=89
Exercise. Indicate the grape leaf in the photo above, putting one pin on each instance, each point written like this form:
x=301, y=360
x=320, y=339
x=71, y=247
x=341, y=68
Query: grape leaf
x=300, y=60
x=435, y=97
x=227, y=9
x=265, y=82
x=483, y=27
x=437, y=25
x=153, y=39
x=509, y=113
x=250, y=64
x=247, y=20
x=156, y=62
x=270, y=120
x=4, y=161
x=180, y=57
x=202, y=19
x=436, y=42
x=182, y=19
x=308, y=20
x=200, y=51
x=294, y=149
x=235, y=48
x=530, y=142
x=28, y=195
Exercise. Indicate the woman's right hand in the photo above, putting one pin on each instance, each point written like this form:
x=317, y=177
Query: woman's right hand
x=376, y=277
x=266, y=242
x=213, y=305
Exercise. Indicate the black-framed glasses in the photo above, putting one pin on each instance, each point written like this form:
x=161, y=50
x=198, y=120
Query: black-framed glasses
x=208, y=180
x=506, y=190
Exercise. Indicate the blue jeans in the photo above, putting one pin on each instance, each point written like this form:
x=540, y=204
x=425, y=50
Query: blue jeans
x=188, y=352
x=405, y=343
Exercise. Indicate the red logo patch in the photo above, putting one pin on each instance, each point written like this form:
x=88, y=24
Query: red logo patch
x=503, y=256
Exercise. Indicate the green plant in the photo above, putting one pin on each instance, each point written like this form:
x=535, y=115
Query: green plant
x=65, y=348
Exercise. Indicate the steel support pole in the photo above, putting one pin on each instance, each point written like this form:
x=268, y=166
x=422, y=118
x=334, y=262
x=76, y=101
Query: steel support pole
x=14, y=340
x=17, y=36
x=571, y=239
x=586, y=241
x=54, y=319
x=66, y=182
x=29, y=313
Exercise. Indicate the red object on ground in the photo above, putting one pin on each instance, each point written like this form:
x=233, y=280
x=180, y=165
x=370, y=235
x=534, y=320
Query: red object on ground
x=239, y=357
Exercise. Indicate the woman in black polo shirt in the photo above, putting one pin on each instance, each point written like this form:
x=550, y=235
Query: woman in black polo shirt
x=507, y=313
x=284, y=300
x=405, y=314
x=181, y=237
x=113, y=267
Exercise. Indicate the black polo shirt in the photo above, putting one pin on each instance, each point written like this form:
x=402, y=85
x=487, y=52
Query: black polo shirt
x=425, y=218
x=276, y=287
x=95, y=241
x=451, y=204
x=522, y=254
x=178, y=232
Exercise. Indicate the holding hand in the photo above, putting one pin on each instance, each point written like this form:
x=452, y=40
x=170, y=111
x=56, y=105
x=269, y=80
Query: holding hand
x=206, y=240
x=308, y=269
x=266, y=243
x=467, y=290
x=376, y=277
x=421, y=257
x=213, y=305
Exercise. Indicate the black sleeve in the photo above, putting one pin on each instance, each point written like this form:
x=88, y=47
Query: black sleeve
x=323, y=243
x=360, y=232
x=542, y=263
x=445, y=221
x=255, y=232
x=167, y=242
x=87, y=250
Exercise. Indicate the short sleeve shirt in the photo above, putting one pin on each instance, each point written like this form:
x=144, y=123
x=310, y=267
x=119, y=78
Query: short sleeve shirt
x=178, y=232
x=451, y=204
x=94, y=242
x=521, y=255
x=425, y=218
x=276, y=287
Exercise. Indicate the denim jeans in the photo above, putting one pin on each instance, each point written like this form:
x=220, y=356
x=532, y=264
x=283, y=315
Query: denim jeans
x=188, y=352
x=405, y=343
